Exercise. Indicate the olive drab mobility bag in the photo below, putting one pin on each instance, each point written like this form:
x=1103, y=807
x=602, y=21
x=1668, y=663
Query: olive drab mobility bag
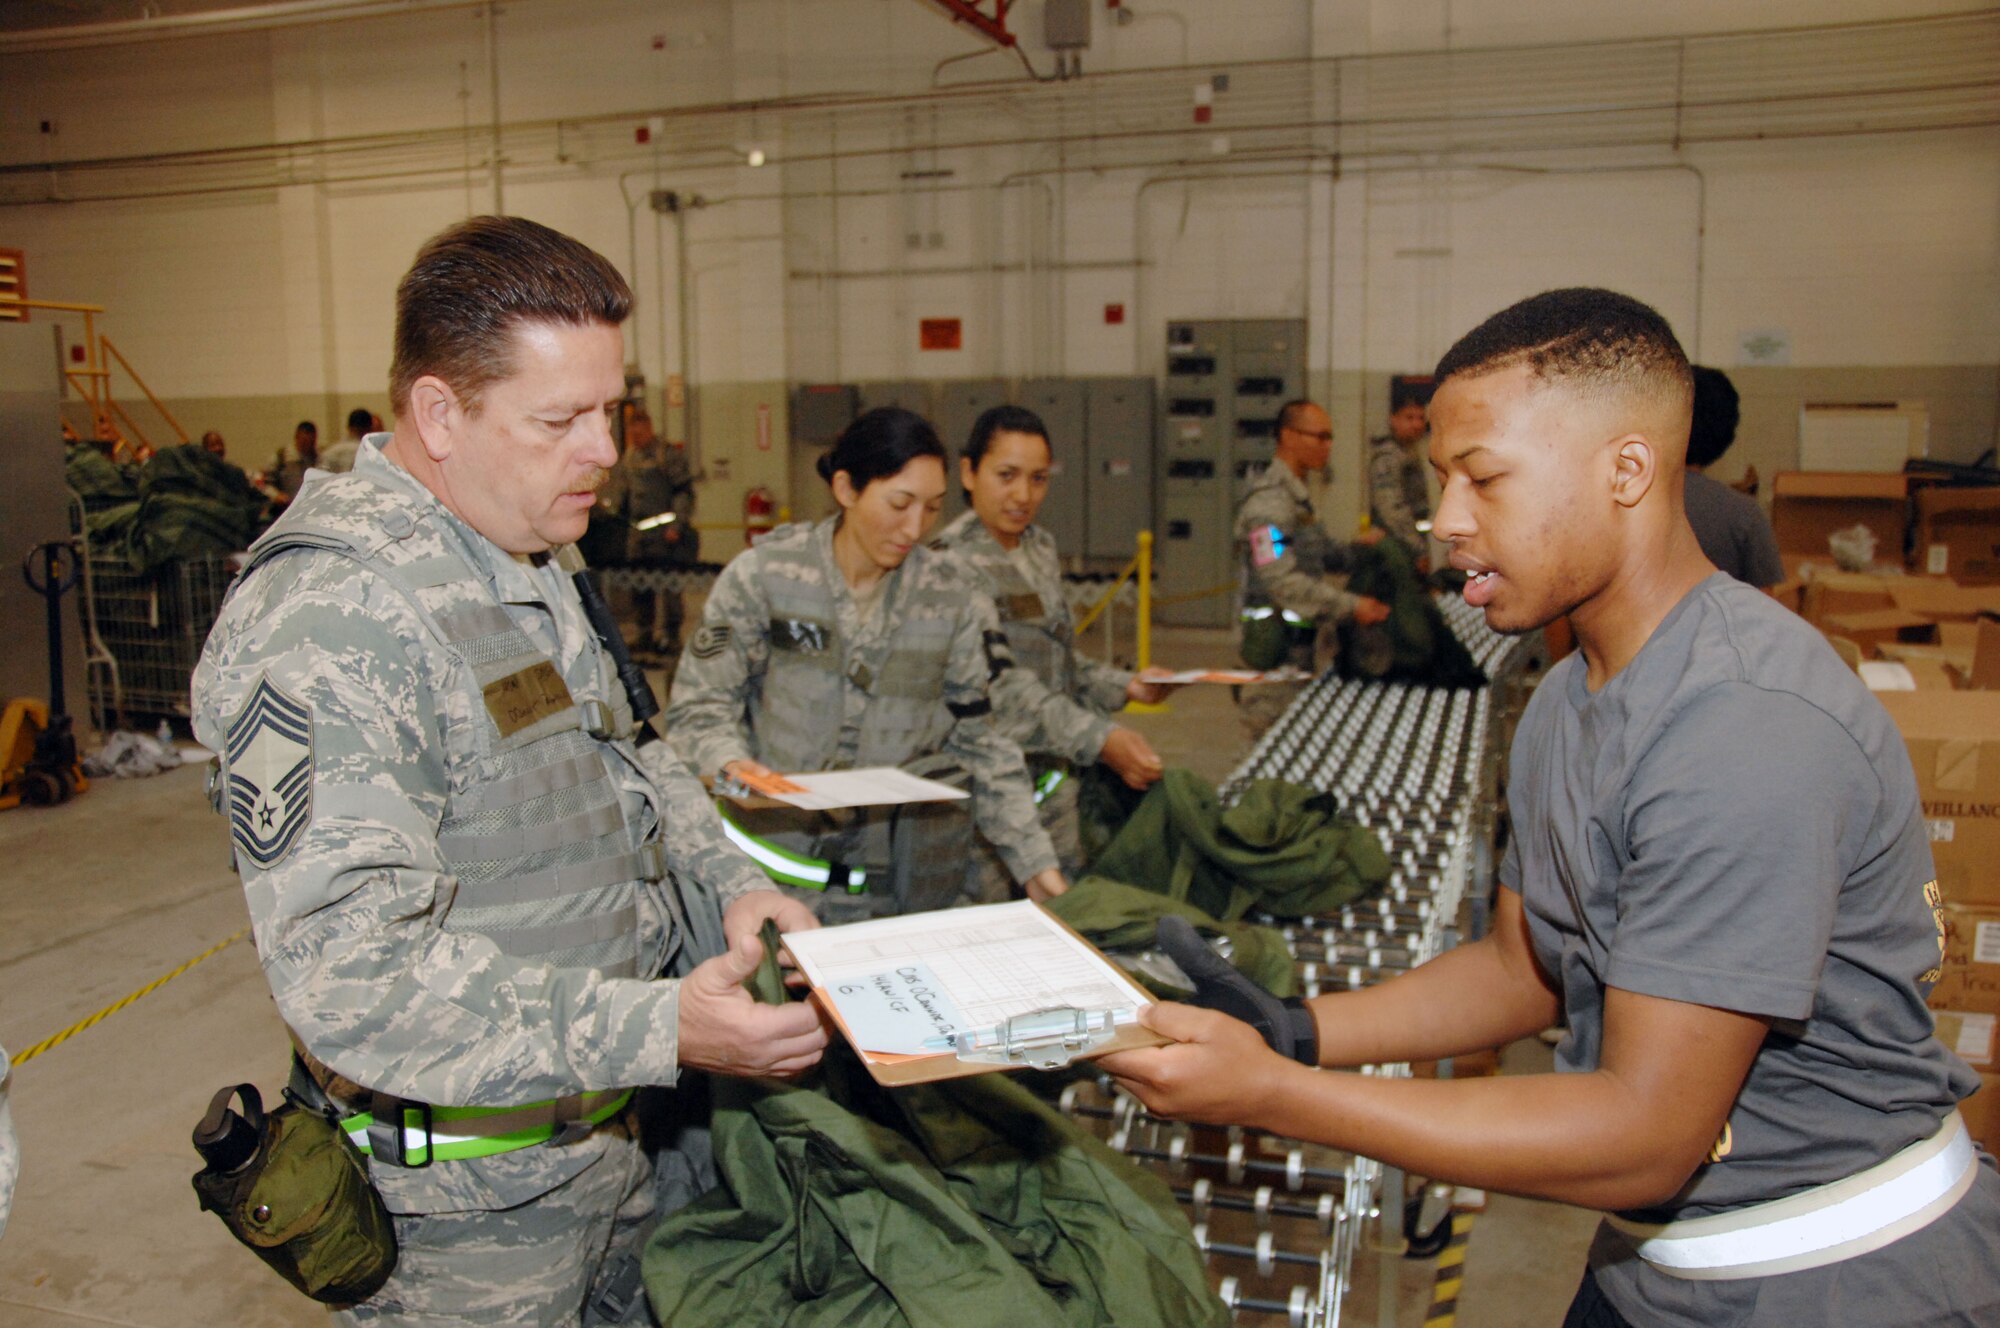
x=290, y=1185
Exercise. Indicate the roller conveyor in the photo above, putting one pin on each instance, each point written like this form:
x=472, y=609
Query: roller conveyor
x=1278, y=1221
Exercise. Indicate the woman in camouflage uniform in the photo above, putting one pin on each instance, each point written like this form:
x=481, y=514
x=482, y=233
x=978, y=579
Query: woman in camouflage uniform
x=1055, y=702
x=848, y=644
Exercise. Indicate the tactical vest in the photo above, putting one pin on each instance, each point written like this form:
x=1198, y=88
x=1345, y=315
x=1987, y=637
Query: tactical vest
x=826, y=703
x=1037, y=627
x=548, y=867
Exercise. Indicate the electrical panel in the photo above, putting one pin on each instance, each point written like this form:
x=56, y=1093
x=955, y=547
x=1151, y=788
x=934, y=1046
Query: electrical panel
x=1118, y=467
x=1100, y=430
x=820, y=411
x=910, y=394
x=1061, y=402
x=959, y=404
x=1224, y=384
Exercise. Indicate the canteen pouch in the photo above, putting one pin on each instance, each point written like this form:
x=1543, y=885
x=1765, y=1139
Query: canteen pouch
x=302, y=1201
x=1267, y=641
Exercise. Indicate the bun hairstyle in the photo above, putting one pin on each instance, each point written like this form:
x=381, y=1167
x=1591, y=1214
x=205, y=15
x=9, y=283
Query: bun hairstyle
x=1002, y=419
x=879, y=444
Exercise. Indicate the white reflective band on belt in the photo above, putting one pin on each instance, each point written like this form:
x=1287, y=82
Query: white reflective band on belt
x=1850, y=1217
x=788, y=867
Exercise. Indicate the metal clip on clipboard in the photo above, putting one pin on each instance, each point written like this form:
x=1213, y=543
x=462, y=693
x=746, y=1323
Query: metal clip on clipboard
x=1043, y=1039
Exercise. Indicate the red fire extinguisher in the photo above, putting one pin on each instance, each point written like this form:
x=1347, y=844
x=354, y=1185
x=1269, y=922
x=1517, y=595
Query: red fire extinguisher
x=760, y=513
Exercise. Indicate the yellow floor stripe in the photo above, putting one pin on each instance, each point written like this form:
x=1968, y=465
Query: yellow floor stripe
x=58, y=1039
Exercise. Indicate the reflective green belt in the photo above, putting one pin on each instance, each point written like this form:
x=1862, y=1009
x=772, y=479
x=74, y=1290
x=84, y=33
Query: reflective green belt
x=1048, y=784
x=789, y=868
x=484, y=1131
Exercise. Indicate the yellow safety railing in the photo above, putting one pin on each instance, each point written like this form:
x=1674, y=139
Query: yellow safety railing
x=1140, y=567
x=93, y=381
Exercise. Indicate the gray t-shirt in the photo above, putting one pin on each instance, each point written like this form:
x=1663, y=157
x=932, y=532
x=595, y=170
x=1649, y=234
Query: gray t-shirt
x=1732, y=821
x=1734, y=532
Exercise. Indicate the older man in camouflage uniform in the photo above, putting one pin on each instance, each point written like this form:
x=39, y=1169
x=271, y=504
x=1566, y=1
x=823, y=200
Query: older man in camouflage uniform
x=458, y=851
x=1399, y=496
x=1287, y=555
x=790, y=673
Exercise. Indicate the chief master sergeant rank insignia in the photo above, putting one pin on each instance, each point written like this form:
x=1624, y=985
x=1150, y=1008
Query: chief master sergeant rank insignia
x=270, y=774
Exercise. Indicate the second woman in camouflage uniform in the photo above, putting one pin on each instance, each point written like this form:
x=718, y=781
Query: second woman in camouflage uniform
x=1055, y=702
x=848, y=644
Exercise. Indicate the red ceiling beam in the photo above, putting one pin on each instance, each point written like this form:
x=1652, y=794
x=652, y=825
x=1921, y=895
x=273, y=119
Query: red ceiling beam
x=968, y=11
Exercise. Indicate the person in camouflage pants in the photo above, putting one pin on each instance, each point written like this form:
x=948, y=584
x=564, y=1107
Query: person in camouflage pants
x=1055, y=702
x=848, y=645
x=460, y=857
x=1286, y=556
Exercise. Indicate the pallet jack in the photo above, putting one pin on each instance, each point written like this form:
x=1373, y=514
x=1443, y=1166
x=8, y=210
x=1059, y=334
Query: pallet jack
x=38, y=763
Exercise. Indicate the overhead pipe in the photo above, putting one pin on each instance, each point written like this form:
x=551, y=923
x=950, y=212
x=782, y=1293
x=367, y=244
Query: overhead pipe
x=239, y=18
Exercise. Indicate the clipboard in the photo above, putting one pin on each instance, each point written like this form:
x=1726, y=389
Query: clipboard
x=833, y=790
x=1046, y=1037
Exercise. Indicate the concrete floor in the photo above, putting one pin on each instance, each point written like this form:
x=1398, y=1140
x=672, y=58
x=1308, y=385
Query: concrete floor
x=132, y=880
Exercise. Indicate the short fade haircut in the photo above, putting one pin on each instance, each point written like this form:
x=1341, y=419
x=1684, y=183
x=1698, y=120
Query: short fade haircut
x=1717, y=411
x=1583, y=335
x=475, y=282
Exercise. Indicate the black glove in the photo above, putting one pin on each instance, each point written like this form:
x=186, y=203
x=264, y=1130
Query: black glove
x=1286, y=1024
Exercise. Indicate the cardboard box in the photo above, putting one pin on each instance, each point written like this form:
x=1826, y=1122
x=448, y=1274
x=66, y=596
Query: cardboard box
x=1982, y=1112
x=1831, y=594
x=1907, y=675
x=1942, y=600
x=1984, y=670
x=1954, y=745
x=1957, y=659
x=1872, y=628
x=1966, y=997
x=1958, y=534
x=1809, y=505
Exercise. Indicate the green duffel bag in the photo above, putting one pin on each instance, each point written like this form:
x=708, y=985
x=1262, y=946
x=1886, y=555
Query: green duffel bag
x=291, y=1186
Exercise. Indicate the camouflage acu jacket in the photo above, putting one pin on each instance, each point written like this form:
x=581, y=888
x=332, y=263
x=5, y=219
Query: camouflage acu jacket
x=786, y=672
x=1285, y=551
x=446, y=837
x=1054, y=702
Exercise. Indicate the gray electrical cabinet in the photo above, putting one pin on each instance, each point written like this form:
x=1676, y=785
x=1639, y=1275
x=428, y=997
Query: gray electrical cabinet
x=1117, y=473
x=820, y=411
x=1101, y=431
x=1062, y=404
x=1224, y=383
x=907, y=393
x=958, y=404
x=1268, y=369
x=1192, y=544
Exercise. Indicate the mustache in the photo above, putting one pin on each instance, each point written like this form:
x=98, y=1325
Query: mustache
x=593, y=480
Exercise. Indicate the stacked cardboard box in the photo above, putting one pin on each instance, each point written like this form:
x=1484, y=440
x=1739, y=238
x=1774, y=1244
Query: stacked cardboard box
x=1954, y=743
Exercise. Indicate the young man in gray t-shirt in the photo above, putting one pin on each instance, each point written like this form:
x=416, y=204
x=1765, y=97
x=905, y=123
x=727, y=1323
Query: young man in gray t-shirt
x=1718, y=873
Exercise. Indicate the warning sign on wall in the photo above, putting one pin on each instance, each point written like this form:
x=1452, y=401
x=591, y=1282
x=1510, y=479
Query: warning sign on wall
x=940, y=334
